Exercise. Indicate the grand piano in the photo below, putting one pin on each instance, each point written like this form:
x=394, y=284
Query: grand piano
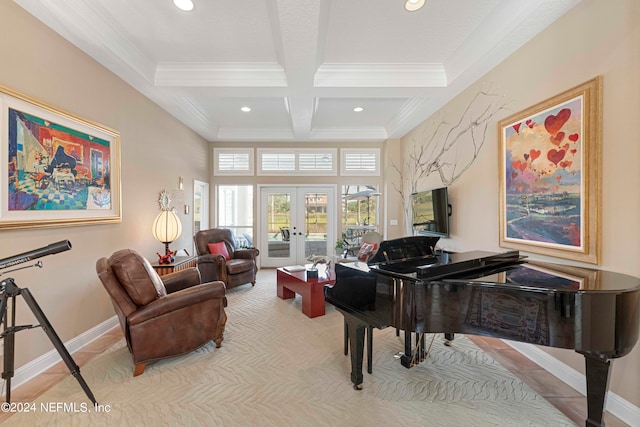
x=413, y=288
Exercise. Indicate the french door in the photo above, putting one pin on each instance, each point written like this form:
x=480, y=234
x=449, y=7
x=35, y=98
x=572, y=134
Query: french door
x=296, y=222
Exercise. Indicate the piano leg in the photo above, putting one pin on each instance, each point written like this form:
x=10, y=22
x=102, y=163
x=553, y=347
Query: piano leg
x=448, y=338
x=346, y=337
x=355, y=329
x=405, y=359
x=417, y=355
x=369, y=348
x=597, y=373
x=369, y=345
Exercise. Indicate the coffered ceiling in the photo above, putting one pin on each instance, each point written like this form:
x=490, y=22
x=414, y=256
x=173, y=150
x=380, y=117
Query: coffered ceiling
x=302, y=66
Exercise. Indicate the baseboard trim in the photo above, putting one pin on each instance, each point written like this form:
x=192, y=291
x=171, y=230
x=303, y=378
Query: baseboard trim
x=47, y=360
x=615, y=404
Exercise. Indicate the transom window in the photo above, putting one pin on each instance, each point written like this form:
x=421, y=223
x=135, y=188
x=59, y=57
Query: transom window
x=233, y=161
x=302, y=161
x=360, y=161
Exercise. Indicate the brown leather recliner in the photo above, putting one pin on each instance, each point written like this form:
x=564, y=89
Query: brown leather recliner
x=239, y=269
x=162, y=316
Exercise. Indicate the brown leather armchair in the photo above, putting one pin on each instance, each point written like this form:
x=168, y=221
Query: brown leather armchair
x=162, y=316
x=239, y=269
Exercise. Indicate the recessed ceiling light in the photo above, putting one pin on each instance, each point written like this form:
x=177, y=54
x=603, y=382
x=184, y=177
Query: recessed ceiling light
x=358, y=109
x=245, y=109
x=186, y=5
x=413, y=5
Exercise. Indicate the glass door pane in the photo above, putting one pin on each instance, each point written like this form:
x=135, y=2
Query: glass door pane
x=315, y=223
x=279, y=224
x=277, y=210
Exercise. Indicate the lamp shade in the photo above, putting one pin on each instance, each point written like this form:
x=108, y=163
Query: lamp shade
x=413, y=5
x=166, y=227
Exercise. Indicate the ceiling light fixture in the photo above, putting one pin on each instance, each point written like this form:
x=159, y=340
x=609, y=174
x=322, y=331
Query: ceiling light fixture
x=186, y=5
x=413, y=5
x=245, y=109
x=358, y=109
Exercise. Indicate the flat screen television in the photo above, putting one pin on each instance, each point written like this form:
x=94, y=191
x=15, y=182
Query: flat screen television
x=430, y=211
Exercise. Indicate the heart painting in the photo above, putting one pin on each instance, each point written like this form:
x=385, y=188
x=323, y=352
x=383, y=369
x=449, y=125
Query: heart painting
x=546, y=189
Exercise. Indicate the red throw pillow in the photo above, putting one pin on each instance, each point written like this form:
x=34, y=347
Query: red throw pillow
x=366, y=251
x=219, y=248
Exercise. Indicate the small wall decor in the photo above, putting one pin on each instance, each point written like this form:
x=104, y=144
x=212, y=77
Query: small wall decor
x=550, y=176
x=57, y=169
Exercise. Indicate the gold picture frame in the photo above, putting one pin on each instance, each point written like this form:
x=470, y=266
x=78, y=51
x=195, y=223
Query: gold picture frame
x=549, y=176
x=58, y=169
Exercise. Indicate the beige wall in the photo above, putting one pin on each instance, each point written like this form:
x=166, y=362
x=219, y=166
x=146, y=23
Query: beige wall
x=392, y=190
x=597, y=37
x=156, y=150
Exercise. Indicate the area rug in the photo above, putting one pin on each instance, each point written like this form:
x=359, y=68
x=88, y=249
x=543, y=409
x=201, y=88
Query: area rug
x=277, y=367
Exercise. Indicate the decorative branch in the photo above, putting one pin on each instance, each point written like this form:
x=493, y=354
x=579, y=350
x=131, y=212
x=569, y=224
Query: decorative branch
x=447, y=149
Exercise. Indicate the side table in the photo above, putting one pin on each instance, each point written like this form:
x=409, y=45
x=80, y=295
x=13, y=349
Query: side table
x=180, y=263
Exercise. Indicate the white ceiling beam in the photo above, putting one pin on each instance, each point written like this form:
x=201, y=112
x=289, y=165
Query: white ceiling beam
x=299, y=31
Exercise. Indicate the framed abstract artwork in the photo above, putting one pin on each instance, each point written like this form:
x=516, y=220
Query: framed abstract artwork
x=57, y=169
x=549, y=176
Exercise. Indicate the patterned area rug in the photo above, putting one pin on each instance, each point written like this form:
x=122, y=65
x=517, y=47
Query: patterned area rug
x=276, y=367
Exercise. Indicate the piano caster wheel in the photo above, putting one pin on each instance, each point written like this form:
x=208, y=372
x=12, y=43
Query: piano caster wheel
x=447, y=343
x=357, y=386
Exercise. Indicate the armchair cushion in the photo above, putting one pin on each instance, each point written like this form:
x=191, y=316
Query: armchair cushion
x=181, y=279
x=219, y=248
x=137, y=277
x=178, y=300
x=238, y=265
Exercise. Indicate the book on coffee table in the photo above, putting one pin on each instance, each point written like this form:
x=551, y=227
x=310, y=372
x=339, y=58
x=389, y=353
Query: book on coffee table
x=292, y=268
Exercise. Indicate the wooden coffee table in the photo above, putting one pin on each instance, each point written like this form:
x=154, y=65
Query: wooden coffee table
x=291, y=283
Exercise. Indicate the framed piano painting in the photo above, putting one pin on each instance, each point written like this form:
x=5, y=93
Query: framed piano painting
x=57, y=169
x=549, y=176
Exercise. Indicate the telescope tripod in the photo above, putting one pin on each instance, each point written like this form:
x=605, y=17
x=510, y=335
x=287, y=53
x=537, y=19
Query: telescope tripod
x=9, y=292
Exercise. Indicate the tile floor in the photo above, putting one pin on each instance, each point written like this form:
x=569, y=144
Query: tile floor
x=562, y=396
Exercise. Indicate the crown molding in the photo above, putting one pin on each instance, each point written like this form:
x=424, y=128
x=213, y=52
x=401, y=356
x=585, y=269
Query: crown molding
x=405, y=119
x=235, y=134
x=380, y=75
x=373, y=133
x=87, y=25
x=213, y=74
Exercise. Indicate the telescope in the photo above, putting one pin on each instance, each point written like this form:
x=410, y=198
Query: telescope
x=8, y=293
x=53, y=248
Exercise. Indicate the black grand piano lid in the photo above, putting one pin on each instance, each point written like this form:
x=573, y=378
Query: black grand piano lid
x=546, y=276
x=404, y=248
x=528, y=276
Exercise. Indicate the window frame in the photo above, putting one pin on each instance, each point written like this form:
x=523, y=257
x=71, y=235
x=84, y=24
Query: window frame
x=297, y=152
x=216, y=162
x=345, y=152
